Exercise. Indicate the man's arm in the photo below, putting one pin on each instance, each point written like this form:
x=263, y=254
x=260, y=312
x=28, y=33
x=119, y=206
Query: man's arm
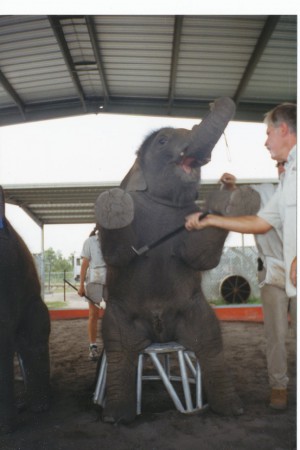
x=293, y=272
x=239, y=224
x=84, y=267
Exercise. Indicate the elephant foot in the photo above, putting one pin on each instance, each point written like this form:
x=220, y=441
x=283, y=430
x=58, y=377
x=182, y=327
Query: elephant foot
x=114, y=209
x=118, y=415
x=243, y=202
x=227, y=406
x=7, y=426
x=40, y=403
x=239, y=202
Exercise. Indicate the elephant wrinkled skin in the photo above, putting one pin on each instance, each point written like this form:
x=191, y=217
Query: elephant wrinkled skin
x=157, y=297
x=24, y=325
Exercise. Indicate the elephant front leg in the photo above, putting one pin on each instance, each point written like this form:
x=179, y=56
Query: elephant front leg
x=32, y=343
x=203, y=336
x=120, y=401
x=114, y=212
x=37, y=373
x=7, y=403
x=123, y=339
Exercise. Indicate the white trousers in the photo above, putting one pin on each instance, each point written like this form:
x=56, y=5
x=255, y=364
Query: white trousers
x=276, y=306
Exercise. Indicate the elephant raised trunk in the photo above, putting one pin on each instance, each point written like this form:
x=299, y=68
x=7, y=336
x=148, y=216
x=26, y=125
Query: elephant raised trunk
x=205, y=135
x=169, y=160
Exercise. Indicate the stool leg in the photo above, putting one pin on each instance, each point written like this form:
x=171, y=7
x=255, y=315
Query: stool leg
x=185, y=382
x=199, y=401
x=196, y=371
x=190, y=363
x=100, y=386
x=167, y=365
x=139, y=384
x=166, y=382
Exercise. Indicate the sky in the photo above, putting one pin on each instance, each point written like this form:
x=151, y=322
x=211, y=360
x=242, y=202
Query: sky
x=100, y=148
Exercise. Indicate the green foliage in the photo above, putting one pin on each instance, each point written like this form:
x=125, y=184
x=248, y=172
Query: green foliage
x=55, y=305
x=55, y=262
x=221, y=302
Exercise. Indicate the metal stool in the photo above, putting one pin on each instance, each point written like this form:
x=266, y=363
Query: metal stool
x=187, y=363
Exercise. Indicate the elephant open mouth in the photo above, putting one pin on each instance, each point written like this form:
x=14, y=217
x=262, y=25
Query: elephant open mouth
x=189, y=162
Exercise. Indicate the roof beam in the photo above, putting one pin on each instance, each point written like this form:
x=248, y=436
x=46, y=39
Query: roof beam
x=263, y=39
x=27, y=210
x=10, y=90
x=61, y=40
x=92, y=32
x=246, y=111
x=174, y=61
x=32, y=215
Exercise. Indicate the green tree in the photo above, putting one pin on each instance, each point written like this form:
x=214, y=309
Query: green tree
x=55, y=262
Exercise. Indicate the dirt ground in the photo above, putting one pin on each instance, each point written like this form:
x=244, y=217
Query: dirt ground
x=74, y=422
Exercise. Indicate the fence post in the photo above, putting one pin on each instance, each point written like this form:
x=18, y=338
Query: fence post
x=64, y=286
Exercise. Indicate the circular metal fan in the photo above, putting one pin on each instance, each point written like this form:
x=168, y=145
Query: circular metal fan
x=235, y=289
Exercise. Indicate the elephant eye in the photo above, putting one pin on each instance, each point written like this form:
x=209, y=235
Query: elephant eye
x=163, y=140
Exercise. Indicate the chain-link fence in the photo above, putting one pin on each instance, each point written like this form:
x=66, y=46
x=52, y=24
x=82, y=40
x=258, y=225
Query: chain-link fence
x=56, y=279
x=49, y=279
x=237, y=261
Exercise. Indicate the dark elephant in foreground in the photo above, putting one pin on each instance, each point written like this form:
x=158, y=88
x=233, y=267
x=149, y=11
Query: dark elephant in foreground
x=24, y=325
x=157, y=296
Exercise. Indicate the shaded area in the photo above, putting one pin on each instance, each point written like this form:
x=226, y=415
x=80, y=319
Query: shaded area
x=75, y=423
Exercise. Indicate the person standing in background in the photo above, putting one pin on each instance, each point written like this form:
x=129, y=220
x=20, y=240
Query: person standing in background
x=93, y=284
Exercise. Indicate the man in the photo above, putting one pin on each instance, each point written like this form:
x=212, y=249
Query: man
x=279, y=213
x=275, y=302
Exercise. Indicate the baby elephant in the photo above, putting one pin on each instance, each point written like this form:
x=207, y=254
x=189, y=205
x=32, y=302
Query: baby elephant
x=156, y=296
x=24, y=325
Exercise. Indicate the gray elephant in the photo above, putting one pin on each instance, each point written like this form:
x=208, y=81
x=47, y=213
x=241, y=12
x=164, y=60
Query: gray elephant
x=157, y=297
x=24, y=325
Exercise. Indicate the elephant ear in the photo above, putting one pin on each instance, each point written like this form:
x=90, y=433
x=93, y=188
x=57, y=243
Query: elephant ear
x=134, y=180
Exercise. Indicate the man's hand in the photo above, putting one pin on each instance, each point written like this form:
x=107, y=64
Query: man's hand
x=293, y=272
x=81, y=291
x=194, y=222
x=228, y=181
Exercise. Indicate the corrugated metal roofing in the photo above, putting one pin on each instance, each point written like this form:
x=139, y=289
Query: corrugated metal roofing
x=56, y=66
x=49, y=204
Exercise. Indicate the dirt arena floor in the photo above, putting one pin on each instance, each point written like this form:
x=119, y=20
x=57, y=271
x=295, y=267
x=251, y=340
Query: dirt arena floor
x=74, y=422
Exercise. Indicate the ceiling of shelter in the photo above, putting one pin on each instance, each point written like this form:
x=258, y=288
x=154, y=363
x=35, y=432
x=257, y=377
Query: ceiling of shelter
x=167, y=65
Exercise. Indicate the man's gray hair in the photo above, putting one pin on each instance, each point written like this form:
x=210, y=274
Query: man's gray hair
x=286, y=112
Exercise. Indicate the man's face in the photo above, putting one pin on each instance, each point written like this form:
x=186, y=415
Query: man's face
x=274, y=142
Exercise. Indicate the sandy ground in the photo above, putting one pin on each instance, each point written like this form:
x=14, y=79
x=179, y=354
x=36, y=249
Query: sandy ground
x=71, y=300
x=74, y=422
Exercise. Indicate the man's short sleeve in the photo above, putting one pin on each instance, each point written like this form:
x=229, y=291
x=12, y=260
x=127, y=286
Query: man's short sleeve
x=270, y=213
x=86, y=250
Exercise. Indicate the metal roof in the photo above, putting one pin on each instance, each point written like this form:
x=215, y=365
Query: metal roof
x=166, y=65
x=49, y=204
x=58, y=66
